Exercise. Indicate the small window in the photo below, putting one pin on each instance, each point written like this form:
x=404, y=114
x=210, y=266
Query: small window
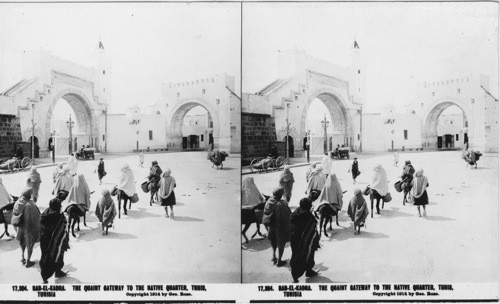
x=211, y=124
x=103, y=72
x=103, y=137
x=201, y=135
x=178, y=94
x=196, y=122
x=456, y=136
x=458, y=90
x=203, y=91
x=433, y=93
x=466, y=124
x=406, y=134
x=150, y=134
x=359, y=71
x=358, y=136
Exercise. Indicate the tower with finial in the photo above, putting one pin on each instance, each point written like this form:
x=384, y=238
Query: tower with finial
x=358, y=78
x=103, y=74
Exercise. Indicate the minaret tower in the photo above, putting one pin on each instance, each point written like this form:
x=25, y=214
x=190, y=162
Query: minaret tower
x=103, y=74
x=358, y=68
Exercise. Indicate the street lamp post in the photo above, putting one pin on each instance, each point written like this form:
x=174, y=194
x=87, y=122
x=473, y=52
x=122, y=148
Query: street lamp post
x=308, y=144
x=287, y=134
x=137, y=142
x=325, y=123
x=53, y=135
x=33, y=133
x=70, y=124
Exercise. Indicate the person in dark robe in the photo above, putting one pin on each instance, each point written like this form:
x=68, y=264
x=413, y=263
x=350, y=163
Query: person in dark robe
x=100, y=170
x=358, y=210
x=286, y=182
x=407, y=175
x=304, y=240
x=154, y=180
x=26, y=218
x=54, y=238
x=354, y=170
x=274, y=152
x=19, y=152
x=277, y=219
x=166, y=192
x=106, y=210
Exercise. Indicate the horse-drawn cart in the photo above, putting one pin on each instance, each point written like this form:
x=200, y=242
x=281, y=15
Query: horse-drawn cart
x=268, y=163
x=87, y=153
x=341, y=153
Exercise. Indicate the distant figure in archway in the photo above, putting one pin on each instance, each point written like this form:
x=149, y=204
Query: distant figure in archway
x=19, y=152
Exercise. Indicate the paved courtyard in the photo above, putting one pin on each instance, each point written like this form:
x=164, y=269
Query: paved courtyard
x=457, y=242
x=200, y=245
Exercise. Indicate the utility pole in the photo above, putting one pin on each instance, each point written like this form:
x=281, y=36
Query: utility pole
x=33, y=133
x=325, y=123
x=70, y=124
x=287, y=132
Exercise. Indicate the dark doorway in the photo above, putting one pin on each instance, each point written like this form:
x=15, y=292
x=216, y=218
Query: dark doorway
x=448, y=141
x=184, y=142
x=37, y=147
x=466, y=138
x=290, y=145
x=440, y=142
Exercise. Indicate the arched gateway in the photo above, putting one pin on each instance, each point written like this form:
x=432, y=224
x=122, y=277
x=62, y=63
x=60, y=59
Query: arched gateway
x=303, y=79
x=468, y=92
x=50, y=80
x=215, y=94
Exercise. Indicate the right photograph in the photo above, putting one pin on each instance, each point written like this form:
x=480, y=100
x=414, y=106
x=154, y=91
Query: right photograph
x=370, y=142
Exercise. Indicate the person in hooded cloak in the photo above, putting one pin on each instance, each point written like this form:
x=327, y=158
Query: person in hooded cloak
x=166, y=192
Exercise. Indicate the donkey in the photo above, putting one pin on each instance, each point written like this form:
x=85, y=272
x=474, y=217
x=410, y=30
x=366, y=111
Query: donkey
x=406, y=186
x=4, y=220
x=326, y=213
x=74, y=213
x=249, y=216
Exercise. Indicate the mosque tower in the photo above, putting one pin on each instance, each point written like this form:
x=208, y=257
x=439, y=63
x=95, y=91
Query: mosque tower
x=103, y=74
x=358, y=78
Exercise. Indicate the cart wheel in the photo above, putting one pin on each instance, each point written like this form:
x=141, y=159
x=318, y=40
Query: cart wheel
x=266, y=166
x=12, y=165
x=279, y=162
x=254, y=161
x=25, y=162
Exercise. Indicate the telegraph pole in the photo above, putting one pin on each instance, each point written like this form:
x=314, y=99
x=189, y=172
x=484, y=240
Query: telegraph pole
x=287, y=132
x=33, y=133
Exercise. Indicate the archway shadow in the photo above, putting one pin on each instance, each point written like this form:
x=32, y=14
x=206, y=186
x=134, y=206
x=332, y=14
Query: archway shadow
x=9, y=244
x=97, y=234
x=439, y=218
x=138, y=213
x=391, y=213
x=255, y=245
x=187, y=219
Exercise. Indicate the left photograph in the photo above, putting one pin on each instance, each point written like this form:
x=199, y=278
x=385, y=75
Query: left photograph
x=120, y=143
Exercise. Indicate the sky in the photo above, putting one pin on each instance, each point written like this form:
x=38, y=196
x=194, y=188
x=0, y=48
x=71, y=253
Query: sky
x=148, y=43
x=402, y=43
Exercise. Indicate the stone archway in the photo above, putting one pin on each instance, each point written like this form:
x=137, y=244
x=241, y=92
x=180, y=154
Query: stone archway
x=174, y=133
x=429, y=132
x=336, y=108
x=84, y=116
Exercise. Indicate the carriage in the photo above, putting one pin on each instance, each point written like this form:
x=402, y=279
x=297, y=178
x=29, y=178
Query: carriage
x=217, y=158
x=15, y=163
x=268, y=163
x=341, y=153
x=87, y=153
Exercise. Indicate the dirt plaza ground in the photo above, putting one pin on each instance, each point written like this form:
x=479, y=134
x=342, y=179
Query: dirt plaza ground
x=456, y=242
x=201, y=244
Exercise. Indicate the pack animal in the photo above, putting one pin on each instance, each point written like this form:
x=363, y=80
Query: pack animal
x=74, y=213
x=6, y=220
x=326, y=213
x=249, y=216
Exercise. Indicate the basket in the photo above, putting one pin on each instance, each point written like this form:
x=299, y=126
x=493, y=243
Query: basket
x=7, y=217
x=366, y=191
x=145, y=187
x=398, y=186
